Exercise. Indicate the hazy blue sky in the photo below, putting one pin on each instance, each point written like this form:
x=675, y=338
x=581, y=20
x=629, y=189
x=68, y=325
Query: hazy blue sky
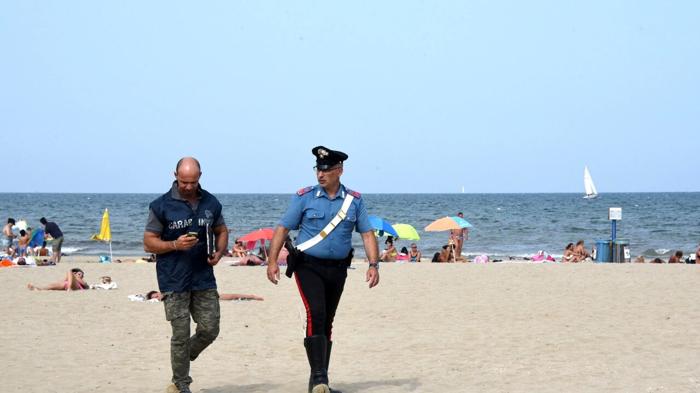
x=425, y=96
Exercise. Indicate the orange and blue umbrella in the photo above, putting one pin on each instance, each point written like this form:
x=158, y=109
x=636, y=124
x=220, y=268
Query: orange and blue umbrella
x=448, y=223
x=382, y=226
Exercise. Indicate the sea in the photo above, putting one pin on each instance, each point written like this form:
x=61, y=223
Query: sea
x=504, y=225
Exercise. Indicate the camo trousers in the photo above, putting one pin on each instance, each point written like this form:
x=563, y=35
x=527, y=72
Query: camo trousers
x=204, y=308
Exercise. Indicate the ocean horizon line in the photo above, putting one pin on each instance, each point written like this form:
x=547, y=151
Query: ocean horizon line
x=600, y=195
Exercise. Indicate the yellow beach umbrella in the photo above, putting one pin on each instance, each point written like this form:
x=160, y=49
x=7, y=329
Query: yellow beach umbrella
x=406, y=232
x=105, y=234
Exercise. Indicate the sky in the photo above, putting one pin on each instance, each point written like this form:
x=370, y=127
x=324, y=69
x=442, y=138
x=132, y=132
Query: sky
x=424, y=96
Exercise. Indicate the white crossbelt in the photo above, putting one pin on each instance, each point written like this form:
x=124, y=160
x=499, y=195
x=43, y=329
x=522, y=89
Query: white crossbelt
x=330, y=227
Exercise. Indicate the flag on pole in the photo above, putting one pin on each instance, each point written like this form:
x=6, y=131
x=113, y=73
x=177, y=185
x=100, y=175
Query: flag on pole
x=105, y=234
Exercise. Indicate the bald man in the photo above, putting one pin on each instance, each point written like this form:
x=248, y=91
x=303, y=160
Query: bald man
x=186, y=230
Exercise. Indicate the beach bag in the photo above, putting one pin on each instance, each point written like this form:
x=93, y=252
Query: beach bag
x=481, y=259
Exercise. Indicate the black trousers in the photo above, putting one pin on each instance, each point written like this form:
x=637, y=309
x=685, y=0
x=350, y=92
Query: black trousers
x=320, y=283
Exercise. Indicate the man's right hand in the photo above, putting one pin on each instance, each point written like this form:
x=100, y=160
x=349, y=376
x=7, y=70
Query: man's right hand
x=185, y=242
x=273, y=272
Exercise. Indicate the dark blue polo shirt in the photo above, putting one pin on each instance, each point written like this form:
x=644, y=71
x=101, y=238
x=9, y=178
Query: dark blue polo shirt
x=172, y=216
x=52, y=229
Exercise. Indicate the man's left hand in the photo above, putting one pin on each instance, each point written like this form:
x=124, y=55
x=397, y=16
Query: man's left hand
x=214, y=259
x=372, y=277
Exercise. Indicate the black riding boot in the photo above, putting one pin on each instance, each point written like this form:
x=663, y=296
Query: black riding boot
x=316, y=353
x=329, y=346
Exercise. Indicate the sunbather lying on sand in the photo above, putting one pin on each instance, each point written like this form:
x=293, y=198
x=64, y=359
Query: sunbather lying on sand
x=74, y=281
x=222, y=296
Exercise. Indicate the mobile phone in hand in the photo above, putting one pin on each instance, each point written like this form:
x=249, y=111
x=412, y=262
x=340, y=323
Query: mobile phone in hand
x=192, y=234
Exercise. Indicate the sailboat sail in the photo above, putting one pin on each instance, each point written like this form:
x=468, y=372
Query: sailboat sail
x=591, y=192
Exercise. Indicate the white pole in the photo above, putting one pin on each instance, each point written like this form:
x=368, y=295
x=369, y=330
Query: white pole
x=110, y=251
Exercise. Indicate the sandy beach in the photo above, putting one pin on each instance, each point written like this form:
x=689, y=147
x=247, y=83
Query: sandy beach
x=500, y=327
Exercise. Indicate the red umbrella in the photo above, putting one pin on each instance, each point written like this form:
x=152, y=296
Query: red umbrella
x=252, y=238
x=260, y=234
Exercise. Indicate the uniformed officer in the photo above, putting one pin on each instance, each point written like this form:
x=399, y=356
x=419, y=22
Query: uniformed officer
x=178, y=231
x=321, y=273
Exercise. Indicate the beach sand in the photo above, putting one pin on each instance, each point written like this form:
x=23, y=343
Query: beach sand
x=426, y=328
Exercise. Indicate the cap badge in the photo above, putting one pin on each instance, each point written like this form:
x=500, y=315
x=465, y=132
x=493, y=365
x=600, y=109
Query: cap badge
x=322, y=153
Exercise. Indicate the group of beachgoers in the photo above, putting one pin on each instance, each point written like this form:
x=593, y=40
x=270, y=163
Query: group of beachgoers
x=676, y=257
x=576, y=253
x=21, y=245
x=450, y=252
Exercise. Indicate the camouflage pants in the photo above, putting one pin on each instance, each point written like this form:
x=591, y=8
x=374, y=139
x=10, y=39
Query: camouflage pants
x=204, y=308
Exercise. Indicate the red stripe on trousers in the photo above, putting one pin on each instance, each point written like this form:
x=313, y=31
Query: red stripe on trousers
x=309, y=328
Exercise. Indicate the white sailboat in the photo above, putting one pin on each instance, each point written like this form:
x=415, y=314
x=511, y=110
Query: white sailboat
x=588, y=185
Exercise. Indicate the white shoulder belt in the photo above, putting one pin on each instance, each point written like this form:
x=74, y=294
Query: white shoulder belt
x=330, y=227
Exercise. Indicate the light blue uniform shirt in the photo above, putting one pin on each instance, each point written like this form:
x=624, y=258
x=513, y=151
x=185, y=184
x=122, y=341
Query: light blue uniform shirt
x=313, y=210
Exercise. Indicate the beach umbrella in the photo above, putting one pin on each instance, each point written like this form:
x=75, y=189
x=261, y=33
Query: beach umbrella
x=448, y=223
x=105, y=234
x=382, y=226
x=261, y=234
x=252, y=237
x=406, y=232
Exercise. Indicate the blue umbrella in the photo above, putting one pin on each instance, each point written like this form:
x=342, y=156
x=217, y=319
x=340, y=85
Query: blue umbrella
x=382, y=226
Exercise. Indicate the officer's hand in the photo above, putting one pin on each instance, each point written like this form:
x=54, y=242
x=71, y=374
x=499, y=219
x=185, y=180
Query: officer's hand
x=273, y=272
x=372, y=277
x=185, y=242
x=214, y=259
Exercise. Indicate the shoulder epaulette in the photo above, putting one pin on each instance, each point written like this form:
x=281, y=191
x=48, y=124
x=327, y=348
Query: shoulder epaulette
x=354, y=193
x=304, y=190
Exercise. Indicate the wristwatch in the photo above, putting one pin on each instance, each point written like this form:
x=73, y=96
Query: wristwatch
x=374, y=265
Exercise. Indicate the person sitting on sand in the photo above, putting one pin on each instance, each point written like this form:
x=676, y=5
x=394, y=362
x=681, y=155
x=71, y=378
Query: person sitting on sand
x=640, y=259
x=580, y=252
x=657, y=260
x=568, y=253
x=389, y=254
x=74, y=281
x=42, y=251
x=677, y=257
x=445, y=255
x=697, y=257
x=222, y=296
x=414, y=253
x=238, y=249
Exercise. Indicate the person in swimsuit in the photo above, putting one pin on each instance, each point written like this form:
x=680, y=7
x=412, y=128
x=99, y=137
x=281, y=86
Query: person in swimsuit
x=568, y=253
x=389, y=254
x=580, y=252
x=239, y=249
x=414, y=254
x=8, y=236
x=457, y=236
x=677, y=257
x=222, y=296
x=74, y=281
x=23, y=243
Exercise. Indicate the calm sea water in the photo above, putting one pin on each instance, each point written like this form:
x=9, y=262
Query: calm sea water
x=504, y=224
